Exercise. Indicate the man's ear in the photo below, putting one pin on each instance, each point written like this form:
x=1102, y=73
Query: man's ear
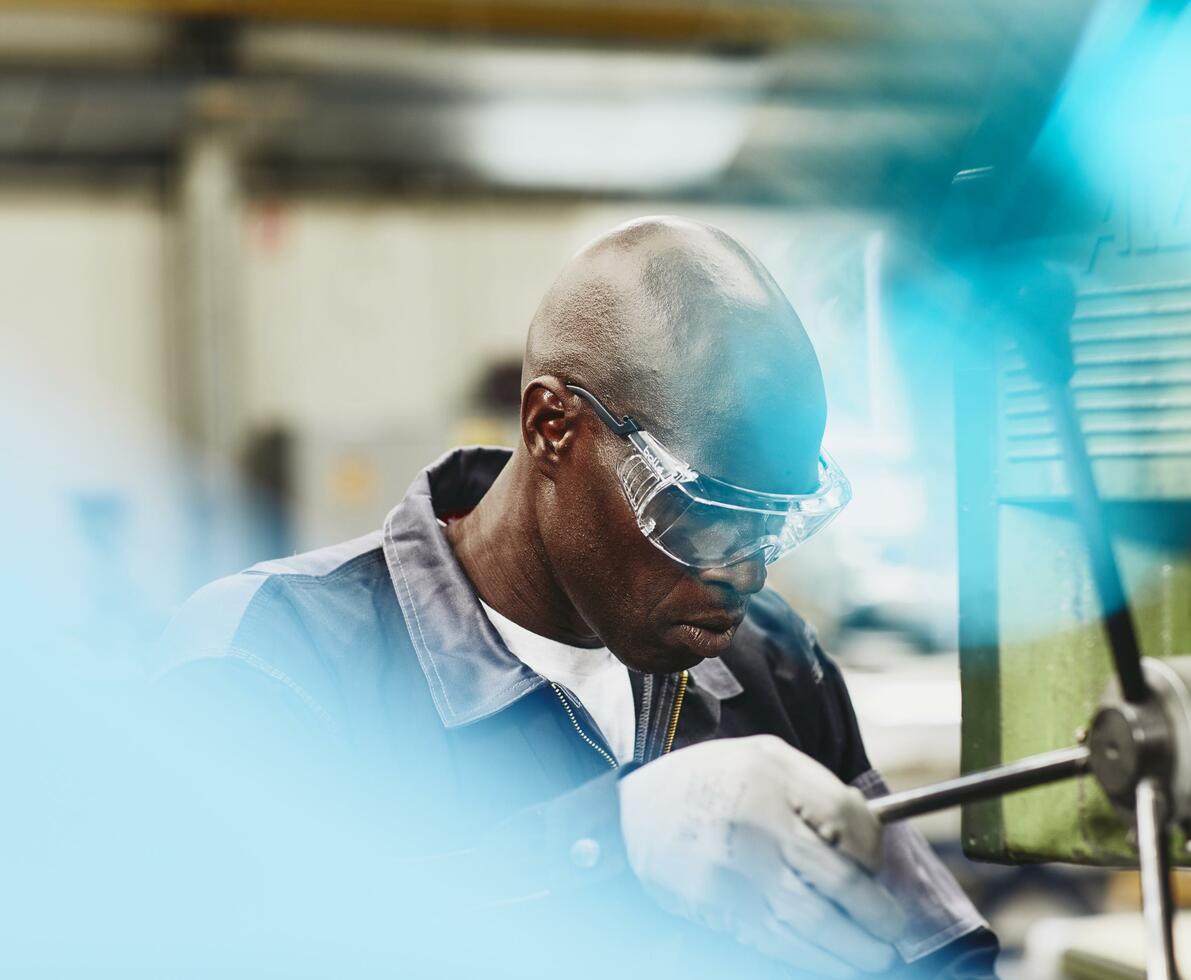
x=548, y=419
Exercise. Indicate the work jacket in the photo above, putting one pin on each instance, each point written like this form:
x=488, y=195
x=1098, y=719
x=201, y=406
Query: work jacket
x=498, y=781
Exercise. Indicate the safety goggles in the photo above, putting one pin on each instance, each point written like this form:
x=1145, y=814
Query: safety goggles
x=703, y=522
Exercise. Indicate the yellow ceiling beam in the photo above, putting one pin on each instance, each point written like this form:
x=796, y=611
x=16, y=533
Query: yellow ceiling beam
x=635, y=20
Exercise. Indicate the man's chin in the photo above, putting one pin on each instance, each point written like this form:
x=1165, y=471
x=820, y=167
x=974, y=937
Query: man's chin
x=662, y=659
x=677, y=647
x=680, y=660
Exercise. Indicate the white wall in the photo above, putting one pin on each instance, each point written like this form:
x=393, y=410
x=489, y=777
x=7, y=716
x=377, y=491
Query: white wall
x=365, y=322
x=363, y=314
x=82, y=306
x=356, y=311
x=88, y=486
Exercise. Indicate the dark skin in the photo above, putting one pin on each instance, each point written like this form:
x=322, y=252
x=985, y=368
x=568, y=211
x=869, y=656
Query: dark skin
x=732, y=384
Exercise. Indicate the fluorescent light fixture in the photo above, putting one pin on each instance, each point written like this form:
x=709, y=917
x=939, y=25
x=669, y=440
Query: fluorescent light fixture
x=526, y=115
x=643, y=144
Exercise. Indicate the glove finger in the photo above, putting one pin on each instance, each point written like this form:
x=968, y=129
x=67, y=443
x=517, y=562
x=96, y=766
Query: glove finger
x=843, y=881
x=839, y=812
x=845, y=822
x=824, y=925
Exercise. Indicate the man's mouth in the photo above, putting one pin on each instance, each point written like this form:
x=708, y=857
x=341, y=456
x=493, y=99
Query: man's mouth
x=708, y=636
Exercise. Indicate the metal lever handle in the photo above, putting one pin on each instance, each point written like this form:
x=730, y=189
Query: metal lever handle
x=1034, y=770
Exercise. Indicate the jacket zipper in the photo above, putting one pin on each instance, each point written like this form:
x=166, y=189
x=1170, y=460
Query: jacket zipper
x=641, y=742
x=673, y=729
x=566, y=704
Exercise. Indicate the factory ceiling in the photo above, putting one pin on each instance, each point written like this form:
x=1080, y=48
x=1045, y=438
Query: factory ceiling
x=808, y=103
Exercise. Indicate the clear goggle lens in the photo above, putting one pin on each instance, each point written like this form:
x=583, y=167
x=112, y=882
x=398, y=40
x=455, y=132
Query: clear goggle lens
x=678, y=512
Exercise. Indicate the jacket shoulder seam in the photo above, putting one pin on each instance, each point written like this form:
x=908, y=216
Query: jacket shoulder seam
x=258, y=663
x=339, y=571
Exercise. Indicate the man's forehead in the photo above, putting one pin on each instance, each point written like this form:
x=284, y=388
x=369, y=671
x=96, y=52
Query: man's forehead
x=776, y=460
x=766, y=442
x=753, y=417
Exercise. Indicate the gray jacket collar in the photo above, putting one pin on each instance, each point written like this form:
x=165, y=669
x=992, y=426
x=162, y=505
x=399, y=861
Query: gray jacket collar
x=471, y=673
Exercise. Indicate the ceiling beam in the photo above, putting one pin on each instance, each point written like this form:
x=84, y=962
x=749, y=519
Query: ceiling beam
x=720, y=22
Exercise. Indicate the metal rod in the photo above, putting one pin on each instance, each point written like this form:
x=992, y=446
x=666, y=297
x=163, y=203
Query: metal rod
x=1089, y=510
x=1035, y=770
x=1157, y=908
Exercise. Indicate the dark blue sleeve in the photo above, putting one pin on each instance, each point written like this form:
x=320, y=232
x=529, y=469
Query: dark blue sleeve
x=252, y=697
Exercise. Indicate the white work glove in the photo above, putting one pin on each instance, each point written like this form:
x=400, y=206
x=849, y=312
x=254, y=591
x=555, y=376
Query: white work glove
x=750, y=836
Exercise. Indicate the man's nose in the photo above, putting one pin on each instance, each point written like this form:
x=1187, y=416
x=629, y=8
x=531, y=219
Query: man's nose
x=745, y=576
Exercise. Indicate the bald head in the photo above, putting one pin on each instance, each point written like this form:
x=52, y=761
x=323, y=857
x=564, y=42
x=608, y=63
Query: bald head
x=676, y=323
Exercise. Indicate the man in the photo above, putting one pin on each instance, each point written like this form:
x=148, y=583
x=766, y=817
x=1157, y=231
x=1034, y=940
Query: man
x=565, y=654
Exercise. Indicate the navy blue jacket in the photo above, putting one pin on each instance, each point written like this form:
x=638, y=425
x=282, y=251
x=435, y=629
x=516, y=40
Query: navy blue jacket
x=377, y=651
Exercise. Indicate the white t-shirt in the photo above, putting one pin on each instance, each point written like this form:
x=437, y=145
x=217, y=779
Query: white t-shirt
x=595, y=677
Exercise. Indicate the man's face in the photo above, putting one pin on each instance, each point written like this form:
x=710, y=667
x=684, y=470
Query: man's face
x=653, y=613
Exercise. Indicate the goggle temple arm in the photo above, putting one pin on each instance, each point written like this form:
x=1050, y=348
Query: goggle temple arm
x=622, y=428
